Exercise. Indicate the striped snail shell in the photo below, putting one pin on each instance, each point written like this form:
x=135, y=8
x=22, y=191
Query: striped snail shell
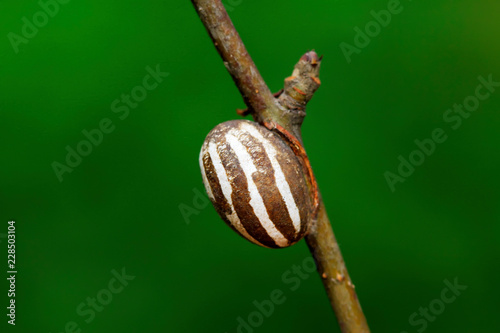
x=256, y=183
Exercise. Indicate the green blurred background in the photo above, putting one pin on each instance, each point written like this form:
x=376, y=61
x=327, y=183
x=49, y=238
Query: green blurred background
x=120, y=207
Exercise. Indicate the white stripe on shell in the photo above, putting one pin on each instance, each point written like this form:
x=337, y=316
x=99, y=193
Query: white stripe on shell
x=256, y=201
x=208, y=188
x=227, y=191
x=281, y=182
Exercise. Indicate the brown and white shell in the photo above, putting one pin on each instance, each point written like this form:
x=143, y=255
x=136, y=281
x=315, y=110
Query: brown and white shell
x=256, y=183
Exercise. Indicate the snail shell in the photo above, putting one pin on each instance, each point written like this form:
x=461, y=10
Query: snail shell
x=256, y=183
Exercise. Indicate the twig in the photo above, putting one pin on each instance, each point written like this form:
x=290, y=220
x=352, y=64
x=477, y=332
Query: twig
x=284, y=113
x=238, y=62
x=336, y=279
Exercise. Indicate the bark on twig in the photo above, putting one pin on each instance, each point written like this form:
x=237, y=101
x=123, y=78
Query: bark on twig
x=238, y=62
x=284, y=113
x=336, y=279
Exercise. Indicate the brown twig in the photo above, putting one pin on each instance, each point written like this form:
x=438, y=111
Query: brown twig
x=336, y=279
x=238, y=62
x=284, y=113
